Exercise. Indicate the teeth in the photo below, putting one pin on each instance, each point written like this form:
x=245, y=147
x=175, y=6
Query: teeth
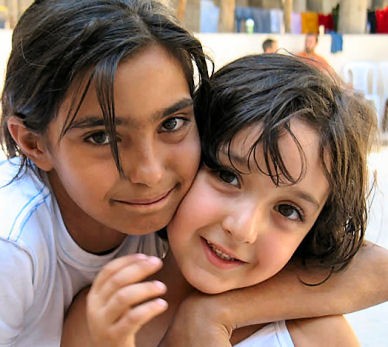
x=219, y=253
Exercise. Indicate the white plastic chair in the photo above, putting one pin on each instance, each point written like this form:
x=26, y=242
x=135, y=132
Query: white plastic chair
x=383, y=73
x=363, y=77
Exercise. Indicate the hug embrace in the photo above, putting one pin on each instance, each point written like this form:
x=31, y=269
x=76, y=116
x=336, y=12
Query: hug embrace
x=107, y=132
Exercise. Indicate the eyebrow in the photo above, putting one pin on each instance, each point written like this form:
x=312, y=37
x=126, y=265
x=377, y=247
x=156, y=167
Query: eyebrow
x=307, y=197
x=96, y=121
x=234, y=158
x=298, y=193
x=186, y=102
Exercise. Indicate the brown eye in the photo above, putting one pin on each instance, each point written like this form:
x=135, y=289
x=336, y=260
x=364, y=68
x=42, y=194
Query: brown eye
x=99, y=138
x=290, y=212
x=173, y=124
x=228, y=177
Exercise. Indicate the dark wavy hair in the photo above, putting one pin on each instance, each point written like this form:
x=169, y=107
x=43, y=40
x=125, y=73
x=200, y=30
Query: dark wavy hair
x=57, y=43
x=273, y=89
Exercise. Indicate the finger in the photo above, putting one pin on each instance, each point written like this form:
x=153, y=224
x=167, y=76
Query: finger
x=136, y=271
x=128, y=298
x=134, y=319
x=114, y=266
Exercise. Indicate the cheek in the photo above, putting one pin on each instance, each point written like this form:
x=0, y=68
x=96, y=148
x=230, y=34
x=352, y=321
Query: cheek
x=276, y=250
x=185, y=158
x=193, y=212
x=198, y=210
x=87, y=180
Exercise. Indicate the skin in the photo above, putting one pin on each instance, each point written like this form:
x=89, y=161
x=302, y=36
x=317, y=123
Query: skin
x=227, y=241
x=222, y=237
x=156, y=134
x=310, y=44
x=316, y=59
x=274, y=47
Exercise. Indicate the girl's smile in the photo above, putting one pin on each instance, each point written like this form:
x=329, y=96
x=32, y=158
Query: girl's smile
x=219, y=257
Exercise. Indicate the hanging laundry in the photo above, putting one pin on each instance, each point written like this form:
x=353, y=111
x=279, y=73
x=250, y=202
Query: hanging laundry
x=276, y=21
x=336, y=42
x=327, y=21
x=309, y=22
x=335, y=13
x=262, y=19
x=372, y=21
x=241, y=14
x=296, y=23
x=210, y=14
x=382, y=21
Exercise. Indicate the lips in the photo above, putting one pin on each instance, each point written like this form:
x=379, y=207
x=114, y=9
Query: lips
x=219, y=256
x=219, y=252
x=146, y=201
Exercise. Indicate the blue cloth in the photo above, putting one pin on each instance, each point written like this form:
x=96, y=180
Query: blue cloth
x=241, y=14
x=209, y=17
x=336, y=42
x=262, y=18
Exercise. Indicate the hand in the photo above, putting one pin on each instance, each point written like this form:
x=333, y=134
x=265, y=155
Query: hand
x=201, y=320
x=118, y=303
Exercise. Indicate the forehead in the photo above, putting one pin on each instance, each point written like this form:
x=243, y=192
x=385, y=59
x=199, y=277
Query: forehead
x=303, y=137
x=311, y=39
x=144, y=85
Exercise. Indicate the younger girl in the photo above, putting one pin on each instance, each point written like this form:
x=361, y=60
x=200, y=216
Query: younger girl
x=284, y=179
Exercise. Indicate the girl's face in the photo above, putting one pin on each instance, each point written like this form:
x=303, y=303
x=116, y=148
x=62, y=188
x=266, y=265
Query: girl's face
x=234, y=230
x=158, y=145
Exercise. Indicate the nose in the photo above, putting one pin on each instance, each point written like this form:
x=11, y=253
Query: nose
x=244, y=223
x=144, y=164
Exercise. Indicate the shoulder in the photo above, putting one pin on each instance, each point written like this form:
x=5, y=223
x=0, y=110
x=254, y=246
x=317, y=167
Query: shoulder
x=332, y=331
x=28, y=216
x=24, y=201
x=301, y=54
x=320, y=58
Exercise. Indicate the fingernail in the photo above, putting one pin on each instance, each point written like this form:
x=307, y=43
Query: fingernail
x=141, y=256
x=161, y=302
x=160, y=285
x=154, y=260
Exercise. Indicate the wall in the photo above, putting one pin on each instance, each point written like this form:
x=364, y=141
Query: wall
x=5, y=48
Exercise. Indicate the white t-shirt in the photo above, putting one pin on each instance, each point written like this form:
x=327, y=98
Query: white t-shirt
x=42, y=268
x=271, y=335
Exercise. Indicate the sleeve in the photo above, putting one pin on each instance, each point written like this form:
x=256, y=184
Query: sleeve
x=16, y=290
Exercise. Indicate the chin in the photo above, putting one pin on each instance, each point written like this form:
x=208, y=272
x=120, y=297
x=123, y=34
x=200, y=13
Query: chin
x=207, y=288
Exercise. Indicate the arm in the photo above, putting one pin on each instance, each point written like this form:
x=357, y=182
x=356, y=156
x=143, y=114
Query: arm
x=282, y=297
x=117, y=305
x=75, y=329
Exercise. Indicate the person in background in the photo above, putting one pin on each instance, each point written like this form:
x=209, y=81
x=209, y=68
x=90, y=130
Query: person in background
x=310, y=43
x=270, y=46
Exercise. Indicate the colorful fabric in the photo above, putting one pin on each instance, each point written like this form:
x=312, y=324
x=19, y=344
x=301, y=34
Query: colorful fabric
x=327, y=21
x=336, y=42
x=382, y=21
x=309, y=22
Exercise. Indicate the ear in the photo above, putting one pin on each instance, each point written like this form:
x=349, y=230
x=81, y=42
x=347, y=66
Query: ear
x=30, y=143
